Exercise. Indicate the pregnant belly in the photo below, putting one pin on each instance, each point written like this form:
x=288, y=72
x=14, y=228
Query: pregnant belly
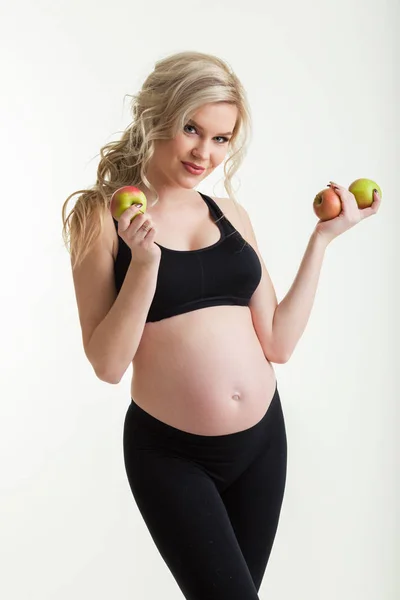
x=203, y=372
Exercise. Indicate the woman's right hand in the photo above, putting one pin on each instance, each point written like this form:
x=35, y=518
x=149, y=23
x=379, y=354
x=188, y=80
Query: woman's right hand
x=138, y=232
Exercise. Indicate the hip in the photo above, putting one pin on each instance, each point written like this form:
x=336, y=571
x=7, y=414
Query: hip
x=149, y=441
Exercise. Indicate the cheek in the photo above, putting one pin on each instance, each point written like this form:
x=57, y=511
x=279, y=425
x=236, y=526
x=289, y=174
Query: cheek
x=180, y=144
x=219, y=155
x=169, y=149
x=162, y=151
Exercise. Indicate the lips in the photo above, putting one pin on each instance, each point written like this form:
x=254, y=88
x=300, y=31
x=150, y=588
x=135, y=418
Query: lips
x=196, y=167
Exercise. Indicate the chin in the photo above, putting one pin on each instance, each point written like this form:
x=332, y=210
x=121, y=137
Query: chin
x=189, y=185
x=189, y=182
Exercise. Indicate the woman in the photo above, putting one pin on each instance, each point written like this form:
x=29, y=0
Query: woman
x=183, y=294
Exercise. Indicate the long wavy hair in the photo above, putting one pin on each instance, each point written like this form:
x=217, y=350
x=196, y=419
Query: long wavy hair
x=177, y=87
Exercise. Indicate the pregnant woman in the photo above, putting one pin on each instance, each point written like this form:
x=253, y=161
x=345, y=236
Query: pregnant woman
x=182, y=293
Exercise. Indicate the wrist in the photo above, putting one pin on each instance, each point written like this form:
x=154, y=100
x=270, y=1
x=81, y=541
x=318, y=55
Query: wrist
x=321, y=239
x=142, y=272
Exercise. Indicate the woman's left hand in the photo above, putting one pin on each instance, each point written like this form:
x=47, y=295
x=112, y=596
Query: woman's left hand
x=349, y=216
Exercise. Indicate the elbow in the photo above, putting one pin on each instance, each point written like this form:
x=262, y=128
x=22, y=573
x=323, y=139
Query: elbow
x=109, y=373
x=106, y=374
x=279, y=360
x=282, y=357
x=108, y=377
x=280, y=354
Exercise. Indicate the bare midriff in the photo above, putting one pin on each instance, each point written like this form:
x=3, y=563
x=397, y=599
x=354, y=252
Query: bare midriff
x=204, y=371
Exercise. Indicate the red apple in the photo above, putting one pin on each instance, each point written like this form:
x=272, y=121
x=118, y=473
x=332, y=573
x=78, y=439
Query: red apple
x=327, y=204
x=124, y=197
x=363, y=190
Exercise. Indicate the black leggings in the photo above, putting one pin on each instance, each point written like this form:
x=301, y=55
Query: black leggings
x=211, y=503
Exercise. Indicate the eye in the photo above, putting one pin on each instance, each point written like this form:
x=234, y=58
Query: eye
x=225, y=140
x=190, y=127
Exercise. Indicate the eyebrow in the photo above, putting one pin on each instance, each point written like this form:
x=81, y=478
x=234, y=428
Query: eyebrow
x=201, y=128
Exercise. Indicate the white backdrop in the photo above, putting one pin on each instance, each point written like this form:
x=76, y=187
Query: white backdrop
x=322, y=88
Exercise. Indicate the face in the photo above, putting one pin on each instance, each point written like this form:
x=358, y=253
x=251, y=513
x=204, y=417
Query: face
x=204, y=142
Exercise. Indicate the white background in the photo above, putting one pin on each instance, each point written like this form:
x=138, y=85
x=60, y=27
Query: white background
x=324, y=94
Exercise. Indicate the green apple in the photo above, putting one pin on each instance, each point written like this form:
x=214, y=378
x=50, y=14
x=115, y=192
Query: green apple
x=124, y=197
x=363, y=190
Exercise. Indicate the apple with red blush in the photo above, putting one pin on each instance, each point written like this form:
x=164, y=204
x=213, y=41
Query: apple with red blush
x=328, y=205
x=124, y=197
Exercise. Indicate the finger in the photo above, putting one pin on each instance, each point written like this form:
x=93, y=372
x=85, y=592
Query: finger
x=136, y=210
x=145, y=221
x=338, y=189
x=129, y=215
x=371, y=210
x=145, y=228
x=137, y=207
x=341, y=187
x=350, y=208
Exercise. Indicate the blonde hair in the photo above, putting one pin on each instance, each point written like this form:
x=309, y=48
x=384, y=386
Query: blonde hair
x=178, y=86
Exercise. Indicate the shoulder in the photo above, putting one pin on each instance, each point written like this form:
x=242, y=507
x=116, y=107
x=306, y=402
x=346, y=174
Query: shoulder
x=237, y=215
x=110, y=232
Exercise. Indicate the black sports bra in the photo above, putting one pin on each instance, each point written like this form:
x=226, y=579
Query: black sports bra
x=225, y=273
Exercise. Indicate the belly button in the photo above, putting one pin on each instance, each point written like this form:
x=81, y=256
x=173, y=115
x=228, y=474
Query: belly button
x=236, y=397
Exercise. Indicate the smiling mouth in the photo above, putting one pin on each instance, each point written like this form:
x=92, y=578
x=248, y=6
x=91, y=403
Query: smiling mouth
x=192, y=168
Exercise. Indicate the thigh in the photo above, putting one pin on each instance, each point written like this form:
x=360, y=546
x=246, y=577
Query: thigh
x=188, y=522
x=254, y=500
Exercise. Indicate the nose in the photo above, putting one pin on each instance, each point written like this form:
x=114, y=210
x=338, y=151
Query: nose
x=201, y=150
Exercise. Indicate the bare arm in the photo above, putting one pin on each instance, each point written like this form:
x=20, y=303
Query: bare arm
x=112, y=324
x=279, y=326
x=113, y=344
x=292, y=313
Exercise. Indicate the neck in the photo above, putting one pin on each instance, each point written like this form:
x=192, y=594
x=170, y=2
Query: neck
x=169, y=197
